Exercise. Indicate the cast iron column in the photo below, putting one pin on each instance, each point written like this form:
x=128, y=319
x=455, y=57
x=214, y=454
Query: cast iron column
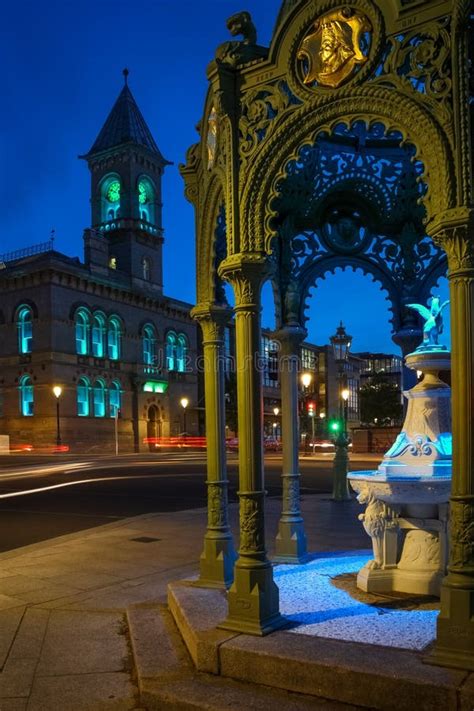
x=290, y=544
x=454, y=231
x=253, y=598
x=218, y=556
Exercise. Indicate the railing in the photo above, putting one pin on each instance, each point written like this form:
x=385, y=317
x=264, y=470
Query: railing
x=27, y=251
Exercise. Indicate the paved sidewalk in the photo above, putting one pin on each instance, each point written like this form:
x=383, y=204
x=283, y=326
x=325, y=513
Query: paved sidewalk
x=63, y=633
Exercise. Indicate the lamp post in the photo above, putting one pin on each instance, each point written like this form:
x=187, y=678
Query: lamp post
x=276, y=412
x=57, y=392
x=184, y=402
x=306, y=379
x=341, y=343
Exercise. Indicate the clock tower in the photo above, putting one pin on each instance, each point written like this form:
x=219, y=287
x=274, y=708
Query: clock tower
x=126, y=165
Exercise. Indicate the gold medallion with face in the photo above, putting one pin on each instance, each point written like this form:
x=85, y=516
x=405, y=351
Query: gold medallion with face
x=332, y=49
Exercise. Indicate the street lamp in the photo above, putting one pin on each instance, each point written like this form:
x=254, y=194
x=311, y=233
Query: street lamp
x=341, y=343
x=276, y=412
x=57, y=392
x=306, y=379
x=184, y=402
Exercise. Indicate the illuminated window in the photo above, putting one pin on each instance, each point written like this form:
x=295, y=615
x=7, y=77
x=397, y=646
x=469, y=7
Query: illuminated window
x=171, y=361
x=146, y=200
x=149, y=345
x=25, y=329
x=113, y=339
x=115, y=397
x=98, y=331
x=181, y=353
x=26, y=396
x=82, y=397
x=146, y=268
x=113, y=263
x=110, y=198
x=99, y=398
x=82, y=324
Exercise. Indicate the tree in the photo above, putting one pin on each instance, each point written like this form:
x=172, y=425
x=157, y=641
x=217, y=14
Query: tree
x=380, y=400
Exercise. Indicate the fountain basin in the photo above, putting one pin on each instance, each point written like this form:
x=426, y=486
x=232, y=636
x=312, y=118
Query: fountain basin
x=403, y=490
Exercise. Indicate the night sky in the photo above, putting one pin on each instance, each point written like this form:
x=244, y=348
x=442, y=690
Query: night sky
x=62, y=71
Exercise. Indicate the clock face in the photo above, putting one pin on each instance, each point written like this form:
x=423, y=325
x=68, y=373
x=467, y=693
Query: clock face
x=143, y=193
x=113, y=192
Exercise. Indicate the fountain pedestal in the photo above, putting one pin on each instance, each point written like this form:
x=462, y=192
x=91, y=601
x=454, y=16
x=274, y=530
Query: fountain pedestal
x=407, y=497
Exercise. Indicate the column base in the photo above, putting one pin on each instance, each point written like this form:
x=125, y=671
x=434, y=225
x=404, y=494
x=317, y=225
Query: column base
x=290, y=543
x=253, y=602
x=216, y=564
x=454, y=646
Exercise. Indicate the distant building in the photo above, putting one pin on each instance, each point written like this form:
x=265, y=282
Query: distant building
x=102, y=330
x=388, y=365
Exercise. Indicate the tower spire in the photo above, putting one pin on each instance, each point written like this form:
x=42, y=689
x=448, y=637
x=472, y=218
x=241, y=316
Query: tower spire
x=125, y=73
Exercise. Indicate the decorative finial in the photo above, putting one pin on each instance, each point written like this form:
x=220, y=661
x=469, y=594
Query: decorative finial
x=125, y=73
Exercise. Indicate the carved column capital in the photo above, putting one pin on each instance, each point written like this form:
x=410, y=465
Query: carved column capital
x=212, y=319
x=453, y=231
x=246, y=273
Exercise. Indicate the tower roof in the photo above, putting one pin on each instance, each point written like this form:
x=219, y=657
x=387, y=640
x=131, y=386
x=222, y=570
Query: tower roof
x=124, y=124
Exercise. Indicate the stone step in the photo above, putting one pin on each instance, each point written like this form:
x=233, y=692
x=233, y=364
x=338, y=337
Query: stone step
x=167, y=677
x=364, y=675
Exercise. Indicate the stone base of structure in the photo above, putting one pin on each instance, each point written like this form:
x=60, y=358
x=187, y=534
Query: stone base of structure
x=290, y=543
x=395, y=580
x=253, y=602
x=455, y=627
x=216, y=565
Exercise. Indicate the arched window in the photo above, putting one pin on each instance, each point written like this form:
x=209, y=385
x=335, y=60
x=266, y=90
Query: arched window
x=25, y=329
x=146, y=268
x=115, y=398
x=113, y=338
x=82, y=396
x=99, y=398
x=110, y=194
x=146, y=199
x=98, y=335
x=27, y=399
x=149, y=345
x=171, y=363
x=181, y=353
x=82, y=325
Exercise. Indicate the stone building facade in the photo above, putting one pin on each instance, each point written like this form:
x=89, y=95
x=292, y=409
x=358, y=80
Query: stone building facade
x=102, y=330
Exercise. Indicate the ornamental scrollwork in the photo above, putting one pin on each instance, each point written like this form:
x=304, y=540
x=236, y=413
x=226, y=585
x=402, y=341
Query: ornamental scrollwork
x=251, y=524
x=419, y=62
x=260, y=109
x=217, y=506
x=462, y=534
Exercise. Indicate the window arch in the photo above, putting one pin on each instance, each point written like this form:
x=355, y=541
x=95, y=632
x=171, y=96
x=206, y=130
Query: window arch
x=83, y=397
x=171, y=361
x=27, y=398
x=149, y=344
x=99, y=398
x=181, y=353
x=146, y=199
x=82, y=325
x=113, y=338
x=146, y=268
x=110, y=194
x=24, y=322
x=115, y=398
x=98, y=335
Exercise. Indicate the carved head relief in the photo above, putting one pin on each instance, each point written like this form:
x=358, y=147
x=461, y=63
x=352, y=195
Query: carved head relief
x=335, y=46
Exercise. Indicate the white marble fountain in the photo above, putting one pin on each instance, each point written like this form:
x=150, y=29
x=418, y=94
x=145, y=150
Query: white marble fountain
x=407, y=497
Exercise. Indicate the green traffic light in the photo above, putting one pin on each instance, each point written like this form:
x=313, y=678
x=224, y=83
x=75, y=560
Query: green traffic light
x=335, y=426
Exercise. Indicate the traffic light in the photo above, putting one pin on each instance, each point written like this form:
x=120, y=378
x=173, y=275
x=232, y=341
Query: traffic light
x=311, y=408
x=335, y=426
